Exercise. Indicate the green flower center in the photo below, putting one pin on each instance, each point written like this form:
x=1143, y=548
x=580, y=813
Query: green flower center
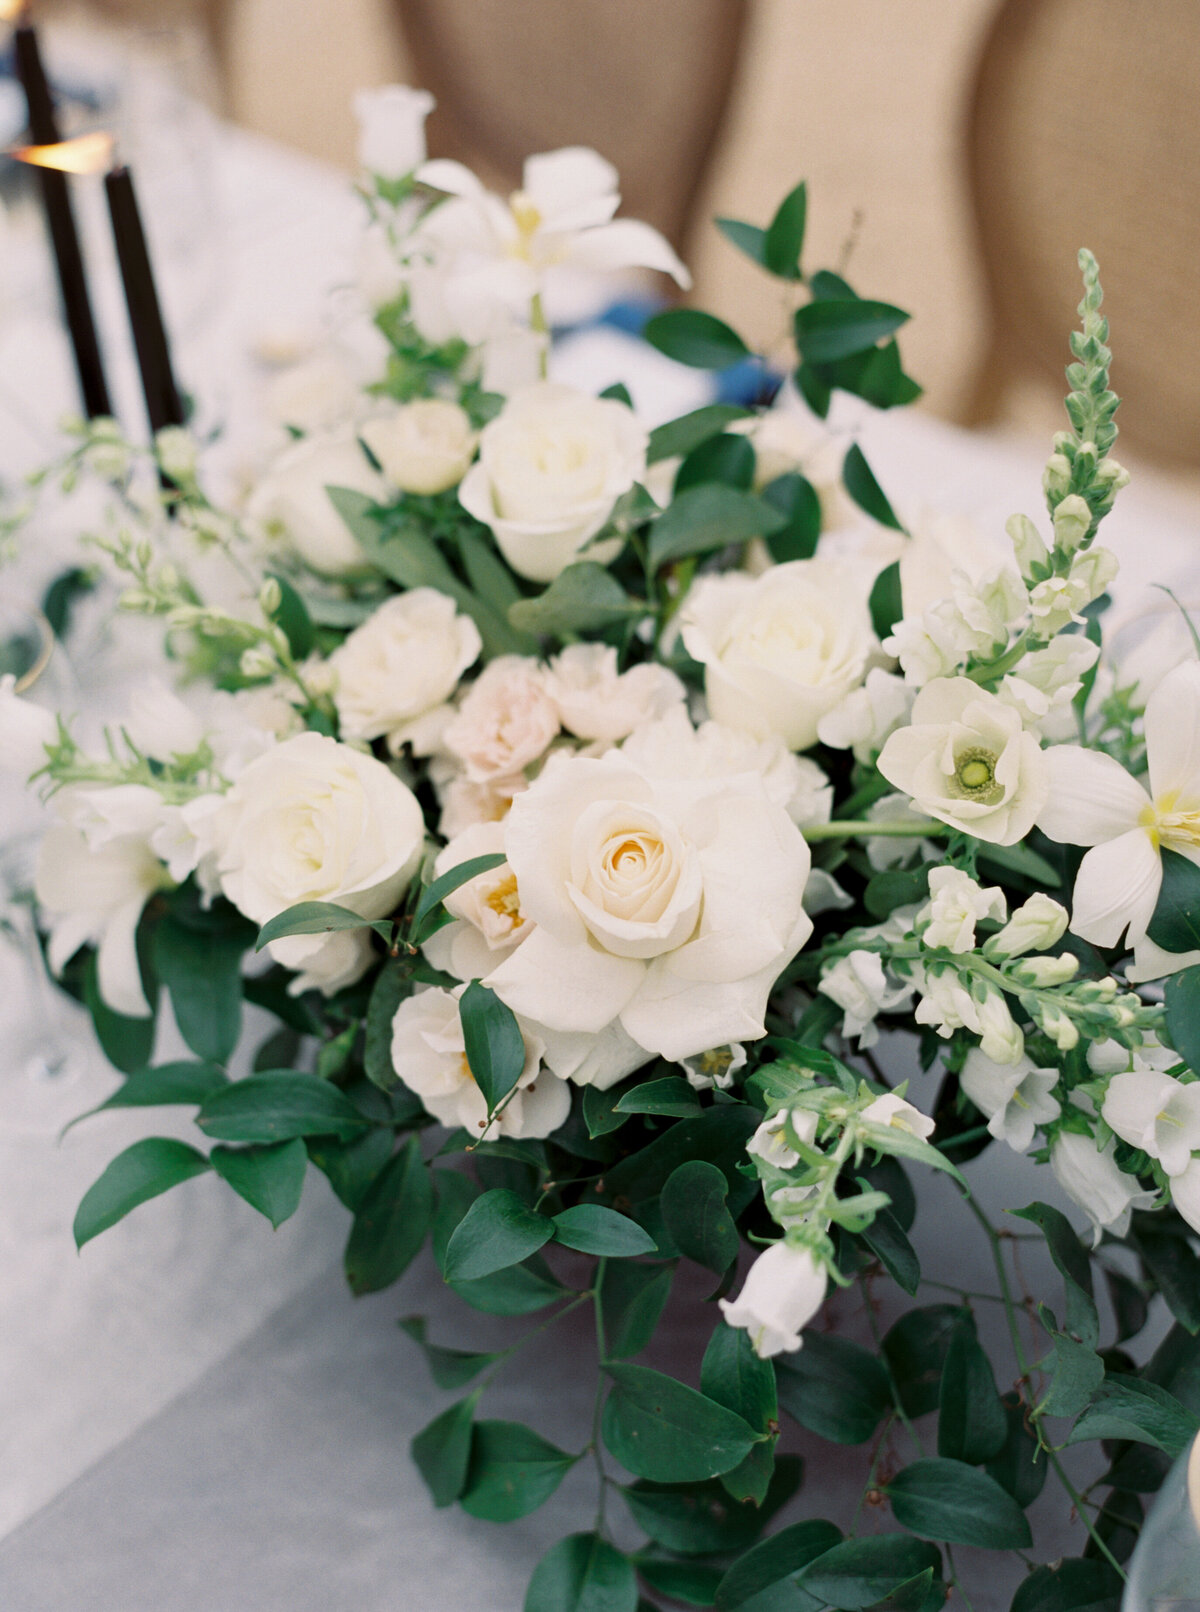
x=975, y=776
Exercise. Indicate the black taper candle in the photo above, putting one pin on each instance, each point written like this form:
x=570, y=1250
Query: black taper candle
x=60, y=220
x=163, y=404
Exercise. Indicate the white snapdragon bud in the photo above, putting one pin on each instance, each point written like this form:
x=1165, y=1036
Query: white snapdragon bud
x=1111, y=475
x=1056, y=477
x=1072, y=522
x=957, y=906
x=256, y=662
x=1093, y=1180
x=1055, y=603
x=1027, y=544
x=860, y=987
x=894, y=1112
x=1045, y=681
x=1157, y=1113
x=1000, y=1036
x=1015, y=1098
x=772, y=1141
x=1041, y=972
x=270, y=596
x=1060, y=1027
x=783, y=1290
x=1037, y=924
x=946, y=1004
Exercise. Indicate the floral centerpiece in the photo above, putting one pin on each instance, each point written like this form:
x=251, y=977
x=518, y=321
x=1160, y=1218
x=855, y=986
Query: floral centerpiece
x=601, y=812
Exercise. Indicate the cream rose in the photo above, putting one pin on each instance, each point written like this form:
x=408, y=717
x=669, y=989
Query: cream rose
x=292, y=501
x=551, y=466
x=966, y=760
x=779, y=650
x=595, y=701
x=669, y=905
x=422, y=447
x=505, y=722
x=314, y=820
x=486, y=911
x=395, y=674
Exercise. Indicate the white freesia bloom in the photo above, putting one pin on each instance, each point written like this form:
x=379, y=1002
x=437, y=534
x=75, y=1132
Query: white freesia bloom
x=783, y=1290
x=551, y=466
x=714, y=1067
x=967, y=760
x=896, y=1111
x=771, y=1142
x=957, y=905
x=861, y=987
x=1015, y=1098
x=422, y=447
x=1093, y=1180
x=1037, y=924
x=487, y=918
x=596, y=701
x=1093, y=801
x=314, y=820
x=394, y=675
x=25, y=731
x=292, y=500
x=391, y=129
x=864, y=718
x=506, y=721
x=779, y=650
x=671, y=906
x=1156, y=1113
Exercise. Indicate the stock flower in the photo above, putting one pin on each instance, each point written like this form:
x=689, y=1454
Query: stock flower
x=783, y=1290
x=1014, y=1098
x=395, y=673
x=966, y=760
x=505, y=722
x=391, y=129
x=551, y=466
x=1093, y=801
x=861, y=988
x=1093, y=1180
x=25, y=731
x=957, y=906
x=864, y=718
x=292, y=499
x=1157, y=1113
x=671, y=906
x=779, y=650
x=595, y=701
x=422, y=447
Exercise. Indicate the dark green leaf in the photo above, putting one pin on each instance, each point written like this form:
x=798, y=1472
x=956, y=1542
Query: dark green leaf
x=718, y=1135
x=495, y=1048
x=391, y=987
x=351, y=1166
x=679, y=437
x=814, y=388
x=690, y=1582
x=1175, y=925
x=892, y=1248
x=292, y=615
x=582, y=1573
x=1022, y=860
x=275, y=1107
x=632, y=1298
x=916, y=1348
x=663, y=1430
x=795, y=497
x=1019, y=1467
x=583, y=598
x=699, y=1519
x=449, y=1368
x=710, y=517
x=270, y=1176
x=866, y=492
x=162, y=1085
x=127, y=1043
x=776, y=1562
x=670, y=1096
x=618, y=392
x=1131, y=1408
x=461, y=873
x=785, y=235
x=1170, y=1260
x=834, y=328
x=1076, y=1585
x=592, y=1229
x=728, y=459
x=519, y=1290
x=141, y=1172
x=733, y=1375
x=826, y=286
x=1075, y=1375
x=1131, y=1308
x=748, y=238
x=834, y=1387
x=859, y=1572
x=441, y=1452
x=895, y=887
x=972, y=1425
x=513, y=1470
x=315, y=918
x=497, y=1230
x=486, y=571
x=1183, y=1014
x=885, y=602
x=877, y=376
x=201, y=970
x=955, y=1502
x=600, y=1113
x=392, y=1221
x=1071, y=1258
x=696, y=1216
x=692, y=337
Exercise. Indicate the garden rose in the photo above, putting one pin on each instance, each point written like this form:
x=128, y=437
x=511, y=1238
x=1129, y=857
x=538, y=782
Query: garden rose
x=595, y=701
x=422, y=447
x=292, y=500
x=486, y=911
x=551, y=466
x=506, y=720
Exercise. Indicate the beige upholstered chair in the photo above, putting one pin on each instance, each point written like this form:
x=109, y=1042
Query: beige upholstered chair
x=1084, y=130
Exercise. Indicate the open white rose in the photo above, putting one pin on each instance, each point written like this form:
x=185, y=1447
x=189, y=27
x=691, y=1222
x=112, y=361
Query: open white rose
x=671, y=906
x=551, y=466
x=966, y=760
x=595, y=701
x=314, y=820
x=391, y=129
x=506, y=720
x=422, y=447
x=783, y=1290
x=292, y=499
x=779, y=650
x=396, y=673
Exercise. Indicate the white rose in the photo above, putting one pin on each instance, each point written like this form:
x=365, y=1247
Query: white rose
x=314, y=820
x=779, y=650
x=783, y=1290
x=391, y=129
x=292, y=499
x=595, y=701
x=966, y=760
x=396, y=672
x=671, y=906
x=1014, y=1098
x=487, y=918
x=25, y=731
x=551, y=466
x=422, y=447
x=1093, y=1180
x=506, y=720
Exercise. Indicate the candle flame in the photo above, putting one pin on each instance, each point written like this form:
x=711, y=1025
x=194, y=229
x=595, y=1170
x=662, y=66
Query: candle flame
x=87, y=154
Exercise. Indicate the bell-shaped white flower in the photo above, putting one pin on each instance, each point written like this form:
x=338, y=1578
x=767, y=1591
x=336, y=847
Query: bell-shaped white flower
x=391, y=129
x=714, y=1068
x=25, y=731
x=1157, y=1113
x=901, y=1115
x=772, y=1141
x=783, y=1290
x=1185, y=1194
x=1015, y=1098
x=1092, y=1179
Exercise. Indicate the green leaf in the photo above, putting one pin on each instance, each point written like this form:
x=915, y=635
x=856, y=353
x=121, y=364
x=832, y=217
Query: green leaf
x=127, y=1042
x=663, y=1430
x=582, y=1573
x=1131, y=1308
x=697, y=1519
x=1071, y=1258
x=441, y=1451
x=748, y=238
x=351, y=1166
x=972, y=1426
x=270, y=1176
x=693, y=1583
x=885, y=602
x=292, y=615
x=732, y=1374
x=670, y=1096
x=274, y=1107
x=495, y=1047
x=900, y=1143
x=1183, y=1014
x=1076, y=1373
x=632, y=1299
x=486, y=571
x=513, y=1470
x=916, y=1348
x=1075, y=1585
x=709, y=517
x=834, y=328
x=316, y=918
x=453, y=879
x=814, y=388
x=392, y=985
x=618, y=392
x=1131, y=1408
x=718, y=1135
x=449, y=1368
x=866, y=492
x=1175, y=925
x=952, y=1501
x=600, y=1114
x=1170, y=1260
x=859, y=1572
x=391, y=1223
x=777, y=1561
x=1019, y=1467
x=592, y=1229
x=692, y=337
x=160, y=1086
x=834, y=1387
x=201, y=970
x=785, y=235
x=583, y=598
x=679, y=437
x=892, y=1248
x=728, y=459
x=795, y=497
x=519, y=1290
x=1020, y=859
x=141, y=1172
x=497, y=1230
x=696, y=1217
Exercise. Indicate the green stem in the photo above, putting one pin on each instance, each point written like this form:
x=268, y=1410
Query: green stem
x=598, y=1403
x=846, y=827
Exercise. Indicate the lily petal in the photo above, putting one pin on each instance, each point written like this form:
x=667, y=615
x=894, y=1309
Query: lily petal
x=627, y=243
x=1116, y=889
x=1173, y=733
x=1092, y=798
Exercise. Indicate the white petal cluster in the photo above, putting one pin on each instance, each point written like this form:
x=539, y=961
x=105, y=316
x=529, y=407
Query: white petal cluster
x=1091, y=1178
x=291, y=501
x=1015, y=1098
x=506, y=721
x=958, y=904
x=951, y=1001
x=595, y=701
x=773, y=1141
x=422, y=447
x=862, y=988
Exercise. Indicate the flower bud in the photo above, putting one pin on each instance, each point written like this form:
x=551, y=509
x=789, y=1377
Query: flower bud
x=1056, y=477
x=1072, y=522
x=1059, y=1027
x=1027, y=544
x=1000, y=1037
x=1037, y=924
x=270, y=596
x=176, y=451
x=255, y=662
x=1041, y=972
x=1094, y=570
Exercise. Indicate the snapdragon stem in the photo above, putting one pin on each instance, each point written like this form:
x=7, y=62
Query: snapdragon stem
x=848, y=827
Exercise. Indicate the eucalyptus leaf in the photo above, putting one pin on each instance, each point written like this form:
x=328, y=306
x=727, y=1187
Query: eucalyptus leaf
x=632, y=1298
x=859, y=1572
x=834, y=1387
x=1076, y=1373
x=972, y=1425
x=709, y=517
x=832, y=328
x=201, y=969
x=892, y=1248
x=748, y=238
x=441, y=1451
x=885, y=602
x=1069, y=1255
x=860, y=483
x=795, y=497
x=671, y=1095
x=270, y=1176
x=292, y=615
x=316, y=918
x=728, y=459
x=679, y=437
x=1128, y=1407
x=127, y=1042
x=697, y=1519
x=161, y=1085
x=785, y=235
x=1170, y=1260
x=777, y=1560
x=692, y=1583
x=495, y=1047
x=916, y=1349
x=449, y=1368
x=1020, y=1465
x=393, y=984
x=351, y=1166
x=583, y=598
x=1183, y=1014
x=696, y=1215
x=141, y=1172
x=274, y=1107
x=1175, y=925
x=733, y=1375
x=1074, y=1585
x=692, y=337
